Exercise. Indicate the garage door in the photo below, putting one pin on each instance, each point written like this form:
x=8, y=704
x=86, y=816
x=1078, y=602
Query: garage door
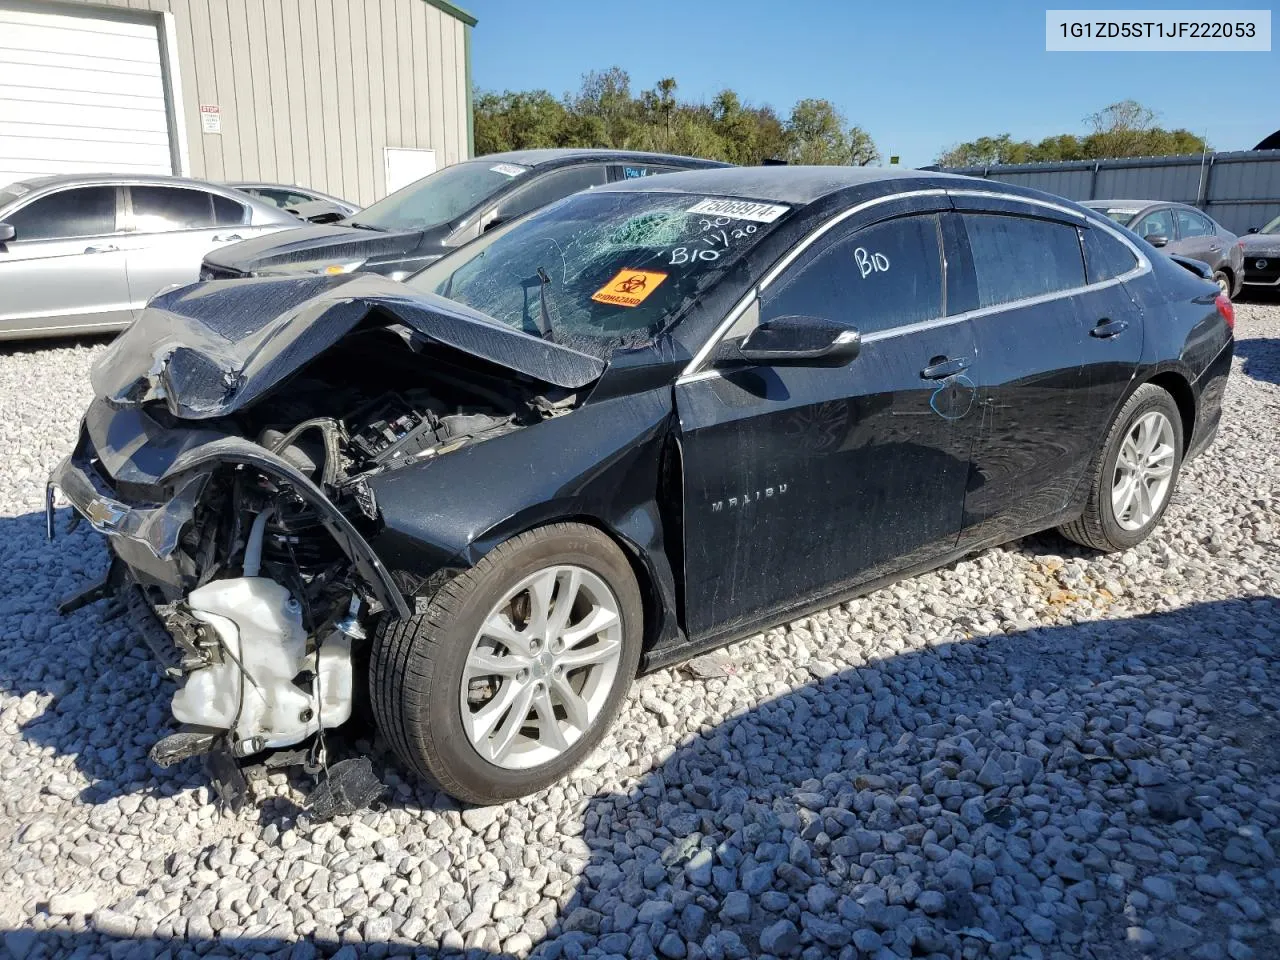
x=79, y=93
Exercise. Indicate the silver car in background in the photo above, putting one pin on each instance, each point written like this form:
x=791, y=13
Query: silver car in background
x=303, y=202
x=84, y=253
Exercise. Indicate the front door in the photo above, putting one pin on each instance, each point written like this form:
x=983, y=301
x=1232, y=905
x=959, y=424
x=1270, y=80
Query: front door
x=65, y=267
x=802, y=481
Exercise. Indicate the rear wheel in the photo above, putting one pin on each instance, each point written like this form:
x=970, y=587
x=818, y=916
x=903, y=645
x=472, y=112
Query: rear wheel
x=516, y=669
x=1134, y=474
x=1223, y=280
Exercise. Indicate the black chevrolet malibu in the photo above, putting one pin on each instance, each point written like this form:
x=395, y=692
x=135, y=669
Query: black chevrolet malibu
x=641, y=423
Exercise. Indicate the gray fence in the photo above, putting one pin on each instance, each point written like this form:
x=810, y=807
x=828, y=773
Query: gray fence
x=1239, y=190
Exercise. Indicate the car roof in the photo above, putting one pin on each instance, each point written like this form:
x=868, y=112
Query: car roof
x=63, y=179
x=1134, y=204
x=787, y=184
x=35, y=185
x=544, y=157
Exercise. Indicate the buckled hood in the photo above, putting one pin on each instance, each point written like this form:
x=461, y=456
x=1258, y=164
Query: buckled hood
x=307, y=244
x=213, y=348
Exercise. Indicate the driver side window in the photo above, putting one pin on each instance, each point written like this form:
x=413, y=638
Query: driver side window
x=884, y=276
x=1158, y=223
x=881, y=277
x=550, y=188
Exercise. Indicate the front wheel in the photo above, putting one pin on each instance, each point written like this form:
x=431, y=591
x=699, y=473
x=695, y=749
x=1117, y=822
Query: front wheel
x=1223, y=281
x=1134, y=474
x=516, y=669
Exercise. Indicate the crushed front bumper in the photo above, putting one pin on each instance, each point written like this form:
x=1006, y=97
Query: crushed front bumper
x=138, y=483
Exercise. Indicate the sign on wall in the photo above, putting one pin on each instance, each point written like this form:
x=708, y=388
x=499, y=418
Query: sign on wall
x=210, y=118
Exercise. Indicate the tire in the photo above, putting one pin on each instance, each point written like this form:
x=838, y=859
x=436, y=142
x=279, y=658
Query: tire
x=1098, y=526
x=1223, y=280
x=419, y=666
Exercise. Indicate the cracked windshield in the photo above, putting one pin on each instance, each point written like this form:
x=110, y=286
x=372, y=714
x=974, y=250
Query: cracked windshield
x=602, y=270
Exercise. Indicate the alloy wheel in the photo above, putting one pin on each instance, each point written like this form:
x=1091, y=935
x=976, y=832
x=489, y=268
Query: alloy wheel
x=541, y=667
x=1144, y=471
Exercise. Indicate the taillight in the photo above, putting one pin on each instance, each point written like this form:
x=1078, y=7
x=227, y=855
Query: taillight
x=1226, y=309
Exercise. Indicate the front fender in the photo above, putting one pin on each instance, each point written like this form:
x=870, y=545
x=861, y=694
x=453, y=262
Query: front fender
x=599, y=462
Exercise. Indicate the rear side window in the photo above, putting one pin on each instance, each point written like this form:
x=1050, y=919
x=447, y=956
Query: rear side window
x=1105, y=256
x=634, y=171
x=68, y=214
x=884, y=276
x=227, y=212
x=1017, y=257
x=550, y=188
x=161, y=209
x=1192, y=225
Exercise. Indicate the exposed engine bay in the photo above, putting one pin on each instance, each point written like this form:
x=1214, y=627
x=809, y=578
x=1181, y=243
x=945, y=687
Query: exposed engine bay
x=252, y=561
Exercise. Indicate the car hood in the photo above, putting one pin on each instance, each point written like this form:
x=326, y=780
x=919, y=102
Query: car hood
x=210, y=349
x=1261, y=244
x=309, y=243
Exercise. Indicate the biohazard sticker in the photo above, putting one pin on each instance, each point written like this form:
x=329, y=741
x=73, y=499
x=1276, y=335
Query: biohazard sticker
x=629, y=288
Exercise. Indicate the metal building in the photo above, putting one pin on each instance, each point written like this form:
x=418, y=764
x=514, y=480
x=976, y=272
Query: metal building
x=351, y=97
x=1239, y=189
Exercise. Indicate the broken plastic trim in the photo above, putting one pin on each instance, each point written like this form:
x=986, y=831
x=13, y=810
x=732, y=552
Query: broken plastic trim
x=159, y=527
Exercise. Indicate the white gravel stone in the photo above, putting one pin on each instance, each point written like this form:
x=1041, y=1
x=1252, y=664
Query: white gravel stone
x=1035, y=752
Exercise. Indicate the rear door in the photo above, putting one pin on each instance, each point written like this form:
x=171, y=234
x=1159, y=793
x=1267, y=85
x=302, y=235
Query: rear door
x=1057, y=353
x=65, y=267
x=170, y=231
x=802, y=481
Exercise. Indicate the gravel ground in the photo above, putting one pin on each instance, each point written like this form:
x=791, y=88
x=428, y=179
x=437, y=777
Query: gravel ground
x=1036, y=752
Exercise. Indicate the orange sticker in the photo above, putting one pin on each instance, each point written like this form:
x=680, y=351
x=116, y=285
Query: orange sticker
x=629, y=288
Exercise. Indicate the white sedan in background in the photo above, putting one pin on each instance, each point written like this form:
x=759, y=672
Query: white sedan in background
x=84, y=253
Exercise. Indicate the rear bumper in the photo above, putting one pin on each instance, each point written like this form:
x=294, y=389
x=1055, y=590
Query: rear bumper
x=1209, y=389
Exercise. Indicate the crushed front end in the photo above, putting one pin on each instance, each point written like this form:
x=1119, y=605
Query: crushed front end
x=227, y=461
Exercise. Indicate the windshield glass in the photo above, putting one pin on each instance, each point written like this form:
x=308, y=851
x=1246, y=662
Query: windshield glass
x=441, y=197
x=1272, y=227
x=602, y=270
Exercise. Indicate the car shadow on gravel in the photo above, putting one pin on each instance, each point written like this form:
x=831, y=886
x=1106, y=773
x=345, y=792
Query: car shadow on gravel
x=1261, y=357
x=1098, y=789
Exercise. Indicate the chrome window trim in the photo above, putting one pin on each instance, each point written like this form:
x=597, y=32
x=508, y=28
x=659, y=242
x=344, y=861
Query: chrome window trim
x=692, y=373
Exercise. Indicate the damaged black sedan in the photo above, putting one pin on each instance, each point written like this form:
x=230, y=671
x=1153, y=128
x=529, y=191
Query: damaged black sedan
x=643, y=422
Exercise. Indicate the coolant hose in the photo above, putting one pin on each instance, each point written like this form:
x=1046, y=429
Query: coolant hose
x=253, y=548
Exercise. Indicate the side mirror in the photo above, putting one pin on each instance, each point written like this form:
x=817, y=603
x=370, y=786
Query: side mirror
x=799, y=341
x=7, y=232
x=1252, y=230
x=1156, y=239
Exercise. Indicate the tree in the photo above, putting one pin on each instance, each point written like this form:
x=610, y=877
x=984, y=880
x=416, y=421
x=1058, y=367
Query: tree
x=518, y=121
x=604, y=113
x=819, y=134
x=1122, y=129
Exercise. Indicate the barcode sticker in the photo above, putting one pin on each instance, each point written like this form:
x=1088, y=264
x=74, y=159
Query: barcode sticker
x=740, y=210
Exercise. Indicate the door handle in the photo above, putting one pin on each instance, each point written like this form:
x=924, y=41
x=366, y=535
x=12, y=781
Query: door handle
x=940, y=368
x=228, y=238
x=1106, y=328
x=103, y=248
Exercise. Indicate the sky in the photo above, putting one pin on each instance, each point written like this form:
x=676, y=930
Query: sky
x=918, y=76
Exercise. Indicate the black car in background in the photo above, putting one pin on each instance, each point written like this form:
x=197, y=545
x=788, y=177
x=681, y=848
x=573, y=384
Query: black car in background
x=632, y=426
x=406, y=230
x=1179, y=228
